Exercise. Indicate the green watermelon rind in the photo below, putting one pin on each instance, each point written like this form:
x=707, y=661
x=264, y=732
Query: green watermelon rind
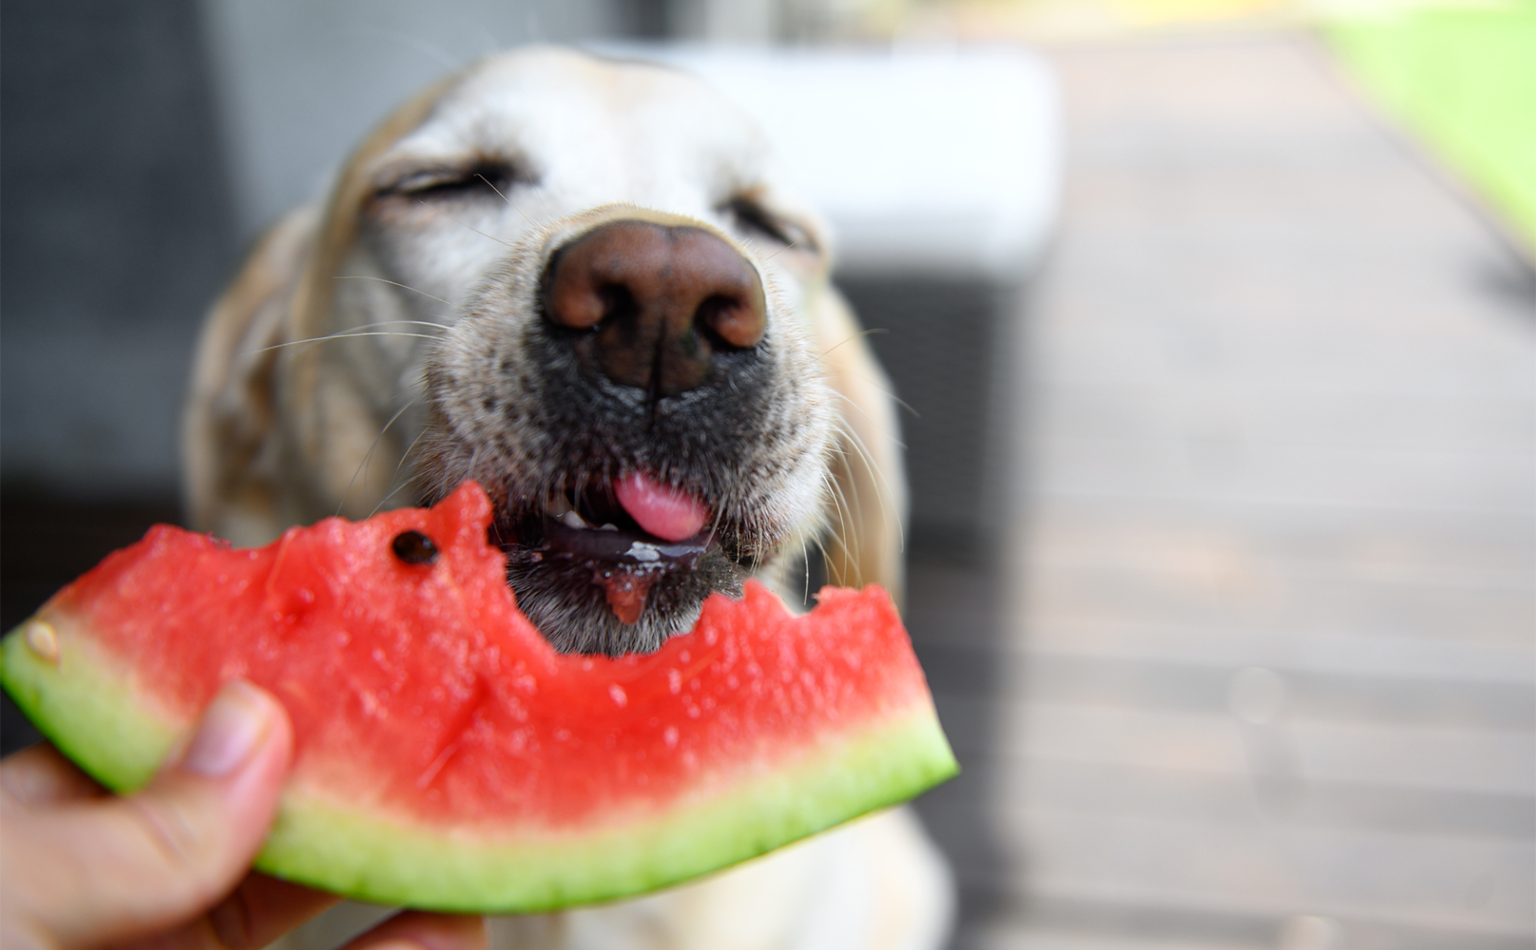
x=85, y=707
x=347, y=851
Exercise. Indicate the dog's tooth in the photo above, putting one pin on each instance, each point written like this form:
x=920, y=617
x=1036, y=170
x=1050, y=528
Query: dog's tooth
x=573, y=520
x=557, y=506
x=607, y=527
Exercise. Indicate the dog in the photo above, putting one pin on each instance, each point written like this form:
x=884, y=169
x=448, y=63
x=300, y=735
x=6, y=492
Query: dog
x=583, y=283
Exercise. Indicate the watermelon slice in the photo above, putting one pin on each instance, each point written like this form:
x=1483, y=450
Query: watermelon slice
x=446, y=756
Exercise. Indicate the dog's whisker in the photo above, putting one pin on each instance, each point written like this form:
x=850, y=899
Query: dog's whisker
x=385, y=500
x=368, y=456
x=396, y=283
x=433, y=51
x=400, y=323
x=506, y=199
x=882, y=390
x=466, y=227
x=853, y=543
x=844, y=515
x=862, y=334
x=821, y=547
x=863, y=411
x=782, y=249
x=714, y=525
x=470, y=469
x=830, y=491
x=854, y=441
x=805, y=559
x=345, y=335
x=404, y=457
x=378, y=325
x=489, y=44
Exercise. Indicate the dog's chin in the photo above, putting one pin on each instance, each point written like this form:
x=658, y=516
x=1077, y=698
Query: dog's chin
x=613, y=590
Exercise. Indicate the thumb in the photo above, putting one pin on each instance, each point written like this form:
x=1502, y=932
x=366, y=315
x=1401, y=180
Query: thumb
x=113, y=869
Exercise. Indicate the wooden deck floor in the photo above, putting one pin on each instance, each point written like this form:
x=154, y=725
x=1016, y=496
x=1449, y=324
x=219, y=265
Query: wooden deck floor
x=1262, y=667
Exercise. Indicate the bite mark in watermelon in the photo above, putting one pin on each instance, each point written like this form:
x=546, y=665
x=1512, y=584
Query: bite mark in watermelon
x=446, y=756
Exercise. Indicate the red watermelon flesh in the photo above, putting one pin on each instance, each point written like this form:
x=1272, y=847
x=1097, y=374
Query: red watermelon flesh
x=446, y=755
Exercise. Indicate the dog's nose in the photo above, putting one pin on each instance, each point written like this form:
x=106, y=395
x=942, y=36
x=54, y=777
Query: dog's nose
x=662, y=302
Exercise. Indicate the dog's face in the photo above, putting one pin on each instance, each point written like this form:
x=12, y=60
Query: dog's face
x=580, y=283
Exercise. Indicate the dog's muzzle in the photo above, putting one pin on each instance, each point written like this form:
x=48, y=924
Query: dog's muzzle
x=649, y=347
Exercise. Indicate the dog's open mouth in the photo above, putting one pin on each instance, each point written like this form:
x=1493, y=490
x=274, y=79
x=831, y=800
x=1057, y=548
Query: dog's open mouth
x=629, y=537
x=617, y=566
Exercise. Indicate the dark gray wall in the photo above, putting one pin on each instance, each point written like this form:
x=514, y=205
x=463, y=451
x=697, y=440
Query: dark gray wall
x=115, y=230
x=940, y=342
x=300, y=82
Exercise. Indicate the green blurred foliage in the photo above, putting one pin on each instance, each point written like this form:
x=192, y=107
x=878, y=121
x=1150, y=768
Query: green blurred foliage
x=1464, y=79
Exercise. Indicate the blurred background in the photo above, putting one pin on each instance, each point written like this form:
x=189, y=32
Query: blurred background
x=1217, y=322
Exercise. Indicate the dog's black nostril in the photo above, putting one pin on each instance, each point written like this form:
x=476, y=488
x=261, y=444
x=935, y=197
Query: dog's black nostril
x=618, y=303
x=663, y=302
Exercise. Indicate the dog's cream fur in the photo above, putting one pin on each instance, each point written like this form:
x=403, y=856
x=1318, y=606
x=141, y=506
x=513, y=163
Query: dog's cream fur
x=403, y=279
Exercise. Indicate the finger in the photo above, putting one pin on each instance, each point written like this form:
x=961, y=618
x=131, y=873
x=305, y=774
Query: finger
x=259, y=911
x=119, y=868
x=414, y=930
x=262, y=909
x=41, y=776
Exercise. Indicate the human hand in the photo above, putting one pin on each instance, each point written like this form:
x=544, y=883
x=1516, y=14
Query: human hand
x=80, y=868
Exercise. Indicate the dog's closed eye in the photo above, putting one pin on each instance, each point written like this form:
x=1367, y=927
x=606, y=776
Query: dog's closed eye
x=752, y=219
x=484, y=179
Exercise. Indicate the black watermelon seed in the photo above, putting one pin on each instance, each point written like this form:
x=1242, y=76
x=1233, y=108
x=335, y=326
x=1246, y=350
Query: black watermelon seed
x=413, y=547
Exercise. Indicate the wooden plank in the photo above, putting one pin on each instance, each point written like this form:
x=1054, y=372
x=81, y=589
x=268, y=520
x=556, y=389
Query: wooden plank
x=1412, y=756
x=1353, y=653
x=1315, y=696
x=1460, y=883
x=1227, y=799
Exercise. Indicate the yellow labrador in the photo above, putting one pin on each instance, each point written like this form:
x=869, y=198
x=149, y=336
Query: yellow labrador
x=582, y=283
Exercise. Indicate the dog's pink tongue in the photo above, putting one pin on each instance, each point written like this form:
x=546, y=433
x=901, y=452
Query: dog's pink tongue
x=669, y=513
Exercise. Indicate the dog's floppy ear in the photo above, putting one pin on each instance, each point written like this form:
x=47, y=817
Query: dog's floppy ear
x=227, y=429
x=869, y=505
x=247, y=476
